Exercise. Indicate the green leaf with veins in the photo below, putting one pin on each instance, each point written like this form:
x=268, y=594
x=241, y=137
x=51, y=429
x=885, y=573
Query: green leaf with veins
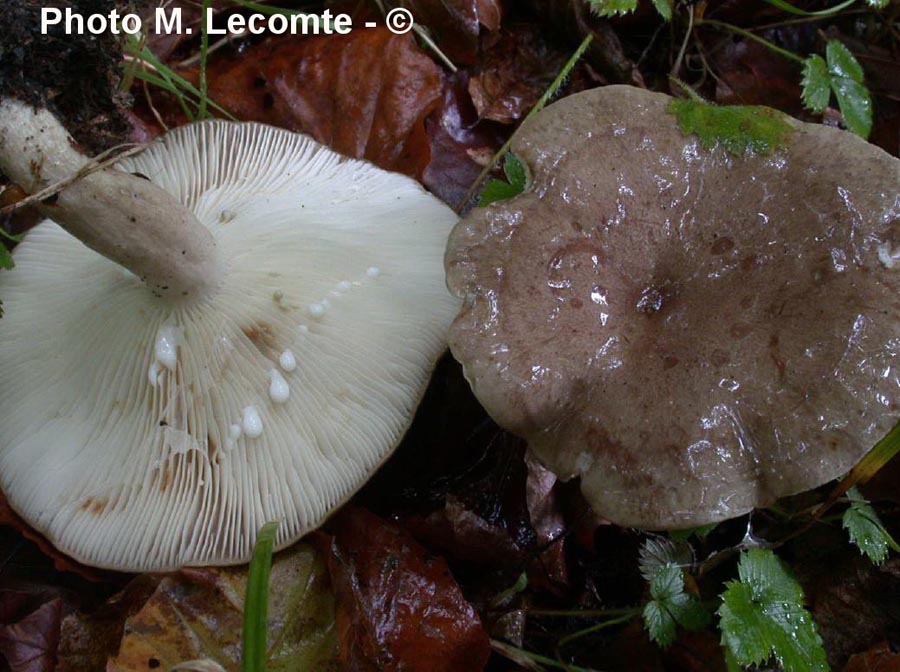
x=866, y=530
x=664, y=7
x=737, y=128
x=613, y=7
x=670, y=606
x=816, y=84
x=847, y=83
x=498, y=190
x=658, y=552
x=762, y=616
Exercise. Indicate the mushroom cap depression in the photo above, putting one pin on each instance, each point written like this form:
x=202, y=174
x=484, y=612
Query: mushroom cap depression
x=692, y=333
x=141, y=434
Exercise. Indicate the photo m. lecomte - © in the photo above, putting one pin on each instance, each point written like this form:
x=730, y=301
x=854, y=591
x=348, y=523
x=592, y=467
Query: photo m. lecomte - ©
x=170, y=21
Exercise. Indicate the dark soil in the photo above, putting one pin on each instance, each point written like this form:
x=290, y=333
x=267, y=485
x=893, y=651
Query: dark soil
x=75, y=76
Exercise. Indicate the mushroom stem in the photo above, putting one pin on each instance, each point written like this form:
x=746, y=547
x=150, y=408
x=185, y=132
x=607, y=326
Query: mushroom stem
x=124, y=217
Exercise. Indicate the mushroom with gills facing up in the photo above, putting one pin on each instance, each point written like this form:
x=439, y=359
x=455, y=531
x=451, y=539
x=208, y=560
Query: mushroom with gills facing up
x=246, y=341
x=692, y=333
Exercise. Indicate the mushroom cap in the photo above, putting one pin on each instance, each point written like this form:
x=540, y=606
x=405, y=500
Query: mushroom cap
x=692, y=333
x=121, y=411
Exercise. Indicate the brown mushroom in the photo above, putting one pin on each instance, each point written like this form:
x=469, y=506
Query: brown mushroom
x=692, y=333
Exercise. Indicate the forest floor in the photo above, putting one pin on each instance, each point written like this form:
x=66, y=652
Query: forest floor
x=536, y=580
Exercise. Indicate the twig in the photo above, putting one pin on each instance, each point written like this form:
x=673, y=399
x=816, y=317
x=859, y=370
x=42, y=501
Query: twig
x=676, y=68
x=100, y=162
x=750, y=36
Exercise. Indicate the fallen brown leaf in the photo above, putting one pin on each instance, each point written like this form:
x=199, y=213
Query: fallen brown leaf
x=399, y=608
x=460, y=145
x=514, y=73
x=456, y=24
x=880, y=658
x=197, y=614
x=29, y=645
x=365, y=94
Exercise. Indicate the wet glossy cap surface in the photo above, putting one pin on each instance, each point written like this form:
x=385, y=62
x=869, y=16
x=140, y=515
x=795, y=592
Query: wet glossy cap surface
x=692, y=333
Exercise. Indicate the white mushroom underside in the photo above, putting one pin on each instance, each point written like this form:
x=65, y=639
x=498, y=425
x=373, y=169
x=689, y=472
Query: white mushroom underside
x=124, y=474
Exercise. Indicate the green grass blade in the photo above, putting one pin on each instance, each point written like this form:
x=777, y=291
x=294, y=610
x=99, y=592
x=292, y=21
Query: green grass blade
x=796, y=11
x=256, y=601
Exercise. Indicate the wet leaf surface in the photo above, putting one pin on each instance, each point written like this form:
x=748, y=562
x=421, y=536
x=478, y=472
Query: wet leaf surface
x=513, y=74
x=457, y=24
x=319, y=86
x=399, y=607
x=197, y=614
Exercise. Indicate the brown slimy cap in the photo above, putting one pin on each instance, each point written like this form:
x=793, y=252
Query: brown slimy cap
x=692, y=333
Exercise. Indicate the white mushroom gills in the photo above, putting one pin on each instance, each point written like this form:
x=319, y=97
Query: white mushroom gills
x=251, y=423
x=235, y=431
x=279, y=390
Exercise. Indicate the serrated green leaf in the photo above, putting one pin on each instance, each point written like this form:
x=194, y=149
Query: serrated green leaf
x=612, y=7
x=816, y=84
x=658, y=552
x=660, y=624
x=671, y=606
x=738, y=129
x=866, y=530
x=667, y=583
x=498, y=190
x=847, y=83
x=664, y=7
x=762, y=616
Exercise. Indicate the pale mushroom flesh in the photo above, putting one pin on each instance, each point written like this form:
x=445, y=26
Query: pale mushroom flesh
x=146, y=432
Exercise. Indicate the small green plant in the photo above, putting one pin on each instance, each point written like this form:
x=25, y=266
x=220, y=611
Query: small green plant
x=762, y=616
x=516, y=182
x=617, y=7
x=256, y=601
x=865, y=529
x=662, y=564
x=839, y=72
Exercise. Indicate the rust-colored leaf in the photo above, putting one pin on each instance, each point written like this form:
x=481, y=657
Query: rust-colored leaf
x=365, y=94
x=399, y=608
x=456, y=24
x=880, y=658
x=514, y=73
